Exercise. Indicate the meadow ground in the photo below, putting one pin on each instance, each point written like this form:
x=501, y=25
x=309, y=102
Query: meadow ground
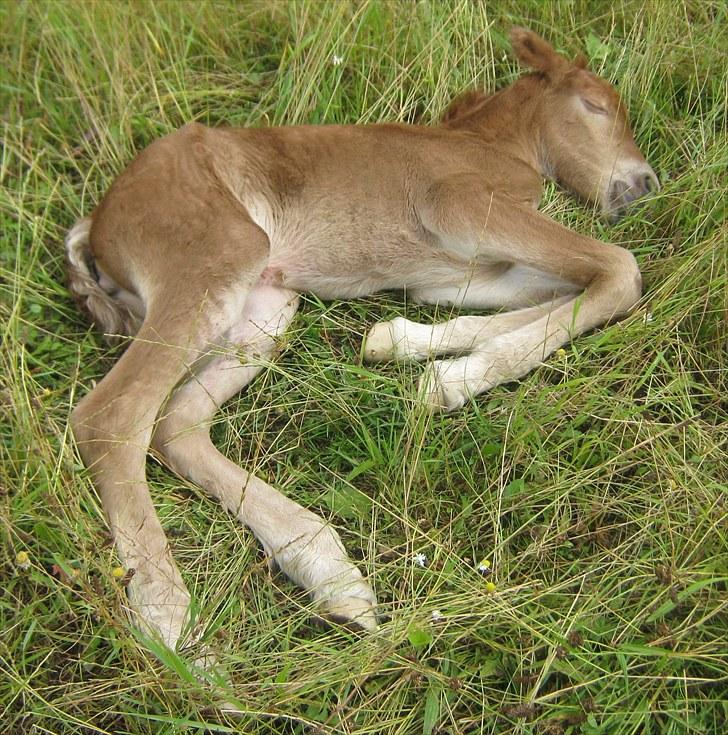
x=595, y=487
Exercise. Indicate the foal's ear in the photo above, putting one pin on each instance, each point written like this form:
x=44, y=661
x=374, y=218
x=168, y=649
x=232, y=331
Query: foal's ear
x=532, y=51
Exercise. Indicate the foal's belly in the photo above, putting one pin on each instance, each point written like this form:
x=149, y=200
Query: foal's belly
x=342, y=265
x=339, y=247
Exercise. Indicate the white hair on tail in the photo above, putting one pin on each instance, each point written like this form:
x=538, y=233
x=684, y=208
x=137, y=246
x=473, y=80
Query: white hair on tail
x=109, y=314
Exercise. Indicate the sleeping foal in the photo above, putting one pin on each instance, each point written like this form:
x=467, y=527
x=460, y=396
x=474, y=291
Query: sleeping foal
x=201, y=246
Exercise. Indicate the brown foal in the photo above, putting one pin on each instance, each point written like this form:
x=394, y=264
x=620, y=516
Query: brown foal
x=201, y=246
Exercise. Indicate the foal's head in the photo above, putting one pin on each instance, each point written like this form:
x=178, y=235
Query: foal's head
x=585, y=141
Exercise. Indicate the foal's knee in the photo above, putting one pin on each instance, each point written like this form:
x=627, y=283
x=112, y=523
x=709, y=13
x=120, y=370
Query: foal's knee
x=111, y=427
x=82, y=431
x=91, y=429
x=629, y=279
x=622, y=277
x=187, y=450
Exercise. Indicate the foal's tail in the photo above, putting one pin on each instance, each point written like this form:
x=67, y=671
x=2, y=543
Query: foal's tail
x=108, y=311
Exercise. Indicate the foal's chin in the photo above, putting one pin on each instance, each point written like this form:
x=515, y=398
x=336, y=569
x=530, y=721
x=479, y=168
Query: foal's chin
x=614, y=213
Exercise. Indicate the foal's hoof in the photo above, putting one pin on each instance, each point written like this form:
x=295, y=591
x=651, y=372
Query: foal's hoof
x=351, y=612
x=437, y=394
x=349, y=601
x=380, y=345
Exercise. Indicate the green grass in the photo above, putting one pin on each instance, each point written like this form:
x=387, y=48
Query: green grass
x=596, y=486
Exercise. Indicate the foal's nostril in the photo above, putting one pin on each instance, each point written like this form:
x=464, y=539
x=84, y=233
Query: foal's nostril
x=623, y=192
x=638, y=182
x=618, y=192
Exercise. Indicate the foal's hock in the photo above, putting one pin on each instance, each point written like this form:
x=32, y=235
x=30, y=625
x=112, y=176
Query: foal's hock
x=201, y=246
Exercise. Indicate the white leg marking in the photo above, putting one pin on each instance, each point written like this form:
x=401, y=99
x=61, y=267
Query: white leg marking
x=304, y=546
x=310, y=552
x=401, y=339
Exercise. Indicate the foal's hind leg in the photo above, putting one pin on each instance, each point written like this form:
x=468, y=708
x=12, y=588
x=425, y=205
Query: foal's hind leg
x=113, y=427
x=306, y=549
x=113, y=424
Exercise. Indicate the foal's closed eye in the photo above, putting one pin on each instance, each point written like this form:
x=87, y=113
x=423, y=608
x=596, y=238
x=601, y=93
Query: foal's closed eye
x=593, y=106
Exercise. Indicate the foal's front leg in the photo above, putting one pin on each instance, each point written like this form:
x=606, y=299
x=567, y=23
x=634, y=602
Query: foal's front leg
x=493, y=228
x=402, y=339
x=529, y=292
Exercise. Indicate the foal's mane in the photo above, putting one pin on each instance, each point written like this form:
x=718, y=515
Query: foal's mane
x=464, y=104
x=473, y=101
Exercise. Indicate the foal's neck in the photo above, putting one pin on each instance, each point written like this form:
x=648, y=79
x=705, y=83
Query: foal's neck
x=509, y=120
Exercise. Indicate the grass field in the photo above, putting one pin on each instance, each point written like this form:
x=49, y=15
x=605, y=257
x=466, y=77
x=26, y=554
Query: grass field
x=596, y=487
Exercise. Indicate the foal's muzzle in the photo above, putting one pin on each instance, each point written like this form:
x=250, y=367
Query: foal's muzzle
x=624, y=190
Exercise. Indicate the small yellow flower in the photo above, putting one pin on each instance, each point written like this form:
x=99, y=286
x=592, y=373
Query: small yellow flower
x=484, y=567
x=22, y=560
x=490, y=587
x=561, y=353
x=118, y=572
